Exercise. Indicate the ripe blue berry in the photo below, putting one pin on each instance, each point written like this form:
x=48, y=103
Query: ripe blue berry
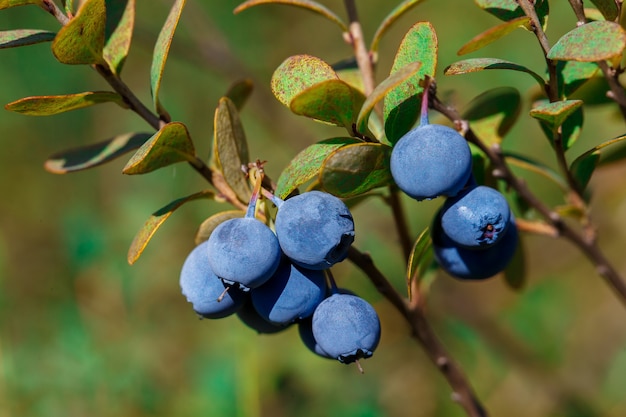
x=203, y=288
x=305, y=330
x=474, y=264
x=477, y=217
x=346, y=327
x=292, y=293
x=251, y=318
x=314, y=229
x=243, y=251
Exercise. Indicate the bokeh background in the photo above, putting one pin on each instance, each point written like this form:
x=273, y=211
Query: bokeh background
x=82, y=333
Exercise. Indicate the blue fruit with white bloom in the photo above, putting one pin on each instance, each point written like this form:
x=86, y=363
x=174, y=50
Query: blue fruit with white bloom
x=292, y=293
x=243, y=251
x=204, y=290
x=477, y=217
x=346, y=327
x=431, y=161
x=315, y=229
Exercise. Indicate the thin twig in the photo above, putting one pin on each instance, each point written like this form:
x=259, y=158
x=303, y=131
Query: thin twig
x=462, y=392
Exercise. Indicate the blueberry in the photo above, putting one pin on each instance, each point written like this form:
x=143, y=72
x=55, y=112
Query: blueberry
x=243, y=251
x=431, y=161
x=346, y=327
x=305, y=330
x=251, y=318
x=477, y=217
x=315, y=229
x=474, y=264
x=203, y=288
x=292, y=293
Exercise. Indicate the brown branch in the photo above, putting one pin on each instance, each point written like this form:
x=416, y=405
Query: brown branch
x=437, y=353
x=363, y=59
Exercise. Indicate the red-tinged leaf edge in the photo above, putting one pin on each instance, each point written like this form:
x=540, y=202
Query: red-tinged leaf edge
x=52, y=105
x=388, y=21
x=493, y=34
x=145, y=234
x=23, y=37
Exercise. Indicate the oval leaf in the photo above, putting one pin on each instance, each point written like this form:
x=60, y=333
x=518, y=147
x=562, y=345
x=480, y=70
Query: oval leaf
x=355, y=169
x=50, y=105
x=207, y=226
x=81, y=41
x=296, y=74
x=594, y=41
x=84, y=157
x=239, y=93
x=171, y=144
x=481, y=64
x=420, y=259
x=615, y=155
x=401, y=106
x=231, y=148
x=120, y=21
x=509, y=9
x=5, y=4
x=382, y=90
x=554, y=114
x=524, y=162
x=493, y=34
x=573, y=74
x=391, y=18
x=22, y=37
x=332, y=101
x=608, y=8
x=161, y=50
x=307, y=164
x=305, y=4
x=582, y=168
x=493, y=113
x=155, y=221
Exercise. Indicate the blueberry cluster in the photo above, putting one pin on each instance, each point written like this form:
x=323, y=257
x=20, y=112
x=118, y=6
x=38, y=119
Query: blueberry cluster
x=274, y=280
x=474, y=233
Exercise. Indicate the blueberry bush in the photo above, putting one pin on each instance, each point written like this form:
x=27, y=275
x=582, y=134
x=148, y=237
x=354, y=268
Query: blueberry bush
x=422, y=201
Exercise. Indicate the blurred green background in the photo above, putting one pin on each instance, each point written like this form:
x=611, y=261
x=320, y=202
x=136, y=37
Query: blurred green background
x=82, y=333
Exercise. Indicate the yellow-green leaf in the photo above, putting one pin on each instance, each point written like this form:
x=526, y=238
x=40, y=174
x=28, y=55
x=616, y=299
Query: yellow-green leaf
x=594, y=41
x=493, y=34
x=296, y=74
x=493, y=113
x=207, y=226
x=304, y=4
x=156, y=220
x=420, y=259
x=231, y=148
x=388, y=21
x=481, y=64
x=5, y=4
x=171, y=144
x=120, y=21
x=81, y=41
x=89, y=156
x=161, y=51
x=50, y=105
x=22, y=37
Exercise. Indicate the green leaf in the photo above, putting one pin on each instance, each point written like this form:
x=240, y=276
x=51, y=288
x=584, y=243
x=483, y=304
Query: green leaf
x=573, y=74
x=307, y=164
x=509, y=9
x=331, y=101
x=5, y=4
x=231, y=148
x=493, y=34
x=481, y=64
x=296, y=74
x=84, y=157
x=524, y=162
x=582, y=168
x=420, y=258
x=239, y=92
x=594, y=41
x=305, y=4
x=22, y=37
x=156, y=220
x=81, y=41
x=391, y=18
x=391, y=82
x=401, y=106
x=120, y=21
x=207, y=226
x=493, y=113
x=50, y=105
x=355, y=169
x=161, y=51
x=561, y=118
x=614, y=155
x=171, y=144
x=608, y=8
x=348, y=70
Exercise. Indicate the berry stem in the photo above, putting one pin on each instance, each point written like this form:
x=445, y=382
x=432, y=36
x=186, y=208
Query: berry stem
x=250, y=212
x=425, y=100
x=332, y=282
